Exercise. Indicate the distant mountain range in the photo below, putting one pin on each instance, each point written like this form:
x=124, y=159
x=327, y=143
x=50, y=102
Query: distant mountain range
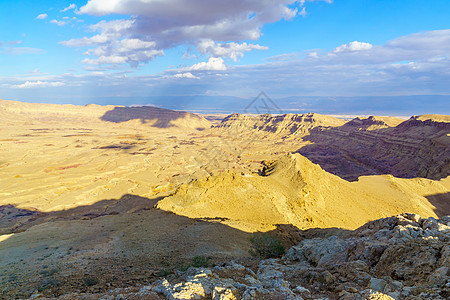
x=361, y=105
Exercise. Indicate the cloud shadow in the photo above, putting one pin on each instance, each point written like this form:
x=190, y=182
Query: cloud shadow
x=161, y=117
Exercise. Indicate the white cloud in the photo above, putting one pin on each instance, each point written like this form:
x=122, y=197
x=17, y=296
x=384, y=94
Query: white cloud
x=71, y=6
x=231, y=50
x=21, y=50
x=284, y=57
x=112, y=59
x=41, y=17
x=92, y=41
x=186, y=75
x=213, y=64
x=408, y=65
x=223, y=24
x=131, y=51
x=303, y=12
x=313, y=54
x=39, y=84
x=59, y=23
x=353, y=46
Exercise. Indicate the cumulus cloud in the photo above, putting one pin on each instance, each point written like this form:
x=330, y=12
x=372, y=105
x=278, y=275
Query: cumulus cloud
x=59, y=23
x=92, y=41
x=71, y=6
x=213, y=64
x=353, y=46
x=39, y=84
x=231, y=50
x=41, y=17
x=185, y=75
x=394, y=68
x=215, y=27
x=131, y=51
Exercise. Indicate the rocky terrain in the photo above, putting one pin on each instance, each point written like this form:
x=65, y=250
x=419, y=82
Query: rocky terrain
x=402, y=257
x=418, y=147
x=128, y=202
x=283, y=125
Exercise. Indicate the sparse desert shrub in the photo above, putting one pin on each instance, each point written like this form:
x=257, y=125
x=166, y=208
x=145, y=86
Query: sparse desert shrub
x=49, y=272
x=266, y=246
x=197, y=262
x=200, y=262
x=90, y=281
x=163, y=273
x=47, y=283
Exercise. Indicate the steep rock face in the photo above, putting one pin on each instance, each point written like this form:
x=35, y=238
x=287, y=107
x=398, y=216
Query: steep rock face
x=284, y=125
x=418, y=147
x=292, y=190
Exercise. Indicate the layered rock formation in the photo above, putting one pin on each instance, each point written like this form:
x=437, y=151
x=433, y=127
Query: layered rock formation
x=418, y=147
x=283, y=125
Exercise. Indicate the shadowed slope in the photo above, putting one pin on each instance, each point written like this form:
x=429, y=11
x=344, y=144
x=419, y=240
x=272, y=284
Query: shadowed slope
x=157, y=117
x=117, y=242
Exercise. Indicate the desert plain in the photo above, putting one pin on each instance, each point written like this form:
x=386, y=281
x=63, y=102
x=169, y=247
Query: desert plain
x=96, y=198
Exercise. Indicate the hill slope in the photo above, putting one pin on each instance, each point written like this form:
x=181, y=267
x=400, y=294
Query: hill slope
x=97, y=114
x=295, y=191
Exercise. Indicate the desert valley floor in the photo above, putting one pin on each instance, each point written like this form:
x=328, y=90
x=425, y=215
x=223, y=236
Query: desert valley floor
x=125, y=196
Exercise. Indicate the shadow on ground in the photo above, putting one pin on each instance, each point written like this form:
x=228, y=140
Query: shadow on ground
x=162, y=117
x=115, y=243
x=441, y=202
x=350, y=152
x=122, y=242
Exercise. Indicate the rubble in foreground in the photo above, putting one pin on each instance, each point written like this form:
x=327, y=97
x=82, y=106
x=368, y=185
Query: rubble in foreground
x=402, y=257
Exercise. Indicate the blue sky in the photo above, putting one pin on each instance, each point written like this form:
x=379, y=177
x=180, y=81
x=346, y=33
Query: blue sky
x=74, y=51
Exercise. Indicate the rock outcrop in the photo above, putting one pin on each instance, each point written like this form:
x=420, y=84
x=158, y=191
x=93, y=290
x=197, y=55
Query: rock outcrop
x=418, y=147
x=282, y=125
x=373, y=122
x=402, y=257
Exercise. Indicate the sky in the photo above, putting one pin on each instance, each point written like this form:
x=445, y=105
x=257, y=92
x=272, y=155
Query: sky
x=131, y=51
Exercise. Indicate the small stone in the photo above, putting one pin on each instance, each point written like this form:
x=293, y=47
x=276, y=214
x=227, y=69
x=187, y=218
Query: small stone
x=301, y=289
x=439, y=276
x=377, y=285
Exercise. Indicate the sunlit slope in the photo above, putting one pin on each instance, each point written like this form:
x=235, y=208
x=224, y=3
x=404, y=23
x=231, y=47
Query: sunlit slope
x=55, y=157
x=295, y=191
x=92, y=114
